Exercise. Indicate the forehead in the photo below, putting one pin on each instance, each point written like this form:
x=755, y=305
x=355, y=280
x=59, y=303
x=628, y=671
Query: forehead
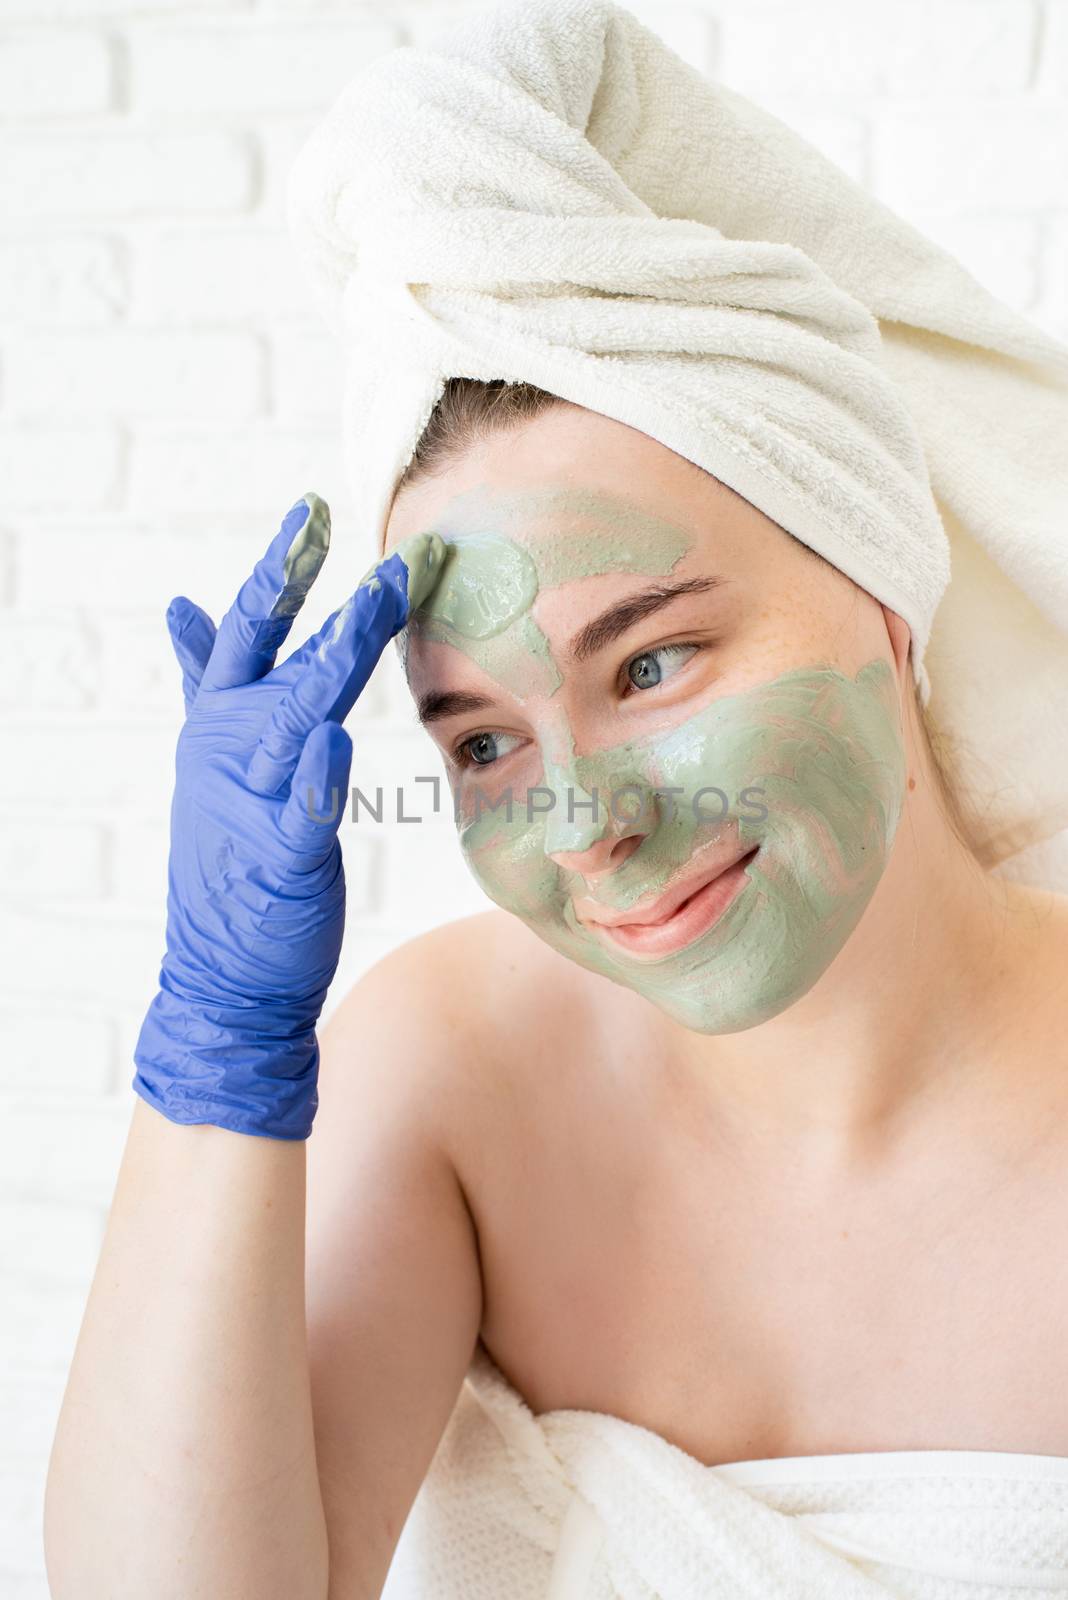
x=570, y=473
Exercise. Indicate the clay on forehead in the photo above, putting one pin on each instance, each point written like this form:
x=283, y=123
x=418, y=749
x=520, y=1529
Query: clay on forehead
x=482, y=601
x=487, y=583
x=579, y=532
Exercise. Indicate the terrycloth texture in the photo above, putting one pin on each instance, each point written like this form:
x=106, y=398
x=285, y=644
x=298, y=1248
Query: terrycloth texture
x=546, y=192
x=577, y=1505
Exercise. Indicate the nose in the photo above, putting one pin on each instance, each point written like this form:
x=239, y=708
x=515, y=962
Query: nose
x=585, y=835
x=602, y=857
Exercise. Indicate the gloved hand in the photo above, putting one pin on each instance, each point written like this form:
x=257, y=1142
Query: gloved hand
x=256, y=888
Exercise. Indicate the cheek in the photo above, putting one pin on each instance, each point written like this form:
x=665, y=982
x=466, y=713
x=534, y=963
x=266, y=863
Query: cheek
x=811, y=766
x=506, y=855
x=830, y=764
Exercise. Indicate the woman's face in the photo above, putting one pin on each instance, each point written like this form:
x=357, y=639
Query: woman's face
x=637, y=681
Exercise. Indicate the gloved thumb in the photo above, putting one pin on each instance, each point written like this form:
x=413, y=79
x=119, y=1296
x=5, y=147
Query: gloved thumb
x=319, y=791
x=192, y=635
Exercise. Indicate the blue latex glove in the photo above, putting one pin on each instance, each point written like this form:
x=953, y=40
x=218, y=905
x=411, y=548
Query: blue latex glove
x=256, y=887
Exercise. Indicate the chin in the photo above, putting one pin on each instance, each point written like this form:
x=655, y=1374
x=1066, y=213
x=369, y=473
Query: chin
x=768, y=949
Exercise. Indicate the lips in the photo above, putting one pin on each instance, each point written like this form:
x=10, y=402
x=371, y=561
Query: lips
x=680, y=915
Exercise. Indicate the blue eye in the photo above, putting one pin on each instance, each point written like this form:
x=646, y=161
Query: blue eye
x=643, y=676
x=480, y=750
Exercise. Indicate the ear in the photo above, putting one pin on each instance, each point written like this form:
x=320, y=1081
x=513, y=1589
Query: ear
x=900, y=637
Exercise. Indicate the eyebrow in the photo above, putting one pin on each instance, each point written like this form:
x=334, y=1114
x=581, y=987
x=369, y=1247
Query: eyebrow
x=624, y=614
x=437, y=704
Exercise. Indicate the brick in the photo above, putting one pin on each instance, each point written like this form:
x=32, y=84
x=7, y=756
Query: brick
x=39, y=1328
x=72, y=1151
x=228, y=275
x=251, y=471
x=974, y=157
x=59, y=469
x=72, y=279
x=423, y=22
x=7, y=567
x=21, y=1512
x=280, y=139
x=47, y=663
x=92, y=10
x=138, y=670
x=308, y=376
x=120, y=764
x=144, y=572
x=686, y=29
x=140, y=854
x=241, y=68
x=427, y=879
x=363, y=859
x=49, y=1242
x=25, y=1585
x=52, y=860
x=1052, y=76
x=56, y=1051
x=958, y=46
x=144, y=173
x=107, y=958
x=48, y=73
x=128, y=1022
x=217, y=375
x=388, y=758
x=30, y=1408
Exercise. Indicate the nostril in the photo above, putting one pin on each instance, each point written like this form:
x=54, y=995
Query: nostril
x=625, y=848
x=606, y=856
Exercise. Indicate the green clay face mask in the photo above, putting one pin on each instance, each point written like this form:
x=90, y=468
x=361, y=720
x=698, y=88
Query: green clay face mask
x=482, y=601
x=802, y=775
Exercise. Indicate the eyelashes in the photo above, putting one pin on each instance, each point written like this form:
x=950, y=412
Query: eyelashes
x=461, y=753
x=648, y=655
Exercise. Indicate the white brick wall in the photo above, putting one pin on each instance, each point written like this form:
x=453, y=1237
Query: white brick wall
x=166, y=392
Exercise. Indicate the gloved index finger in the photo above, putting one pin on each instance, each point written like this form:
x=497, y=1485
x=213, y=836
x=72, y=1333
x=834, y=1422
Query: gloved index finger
x=326, y=675
x=261, y=616
x=408, y=574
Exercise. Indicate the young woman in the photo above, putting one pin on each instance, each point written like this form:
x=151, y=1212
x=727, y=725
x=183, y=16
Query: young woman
x=688, y=1225
x=744, y=1123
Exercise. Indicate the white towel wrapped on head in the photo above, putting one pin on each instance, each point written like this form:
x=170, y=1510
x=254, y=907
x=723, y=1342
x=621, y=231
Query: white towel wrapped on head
x=547, y=193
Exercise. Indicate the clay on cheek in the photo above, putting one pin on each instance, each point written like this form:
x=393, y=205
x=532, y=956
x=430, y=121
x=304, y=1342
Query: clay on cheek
x=809, y=766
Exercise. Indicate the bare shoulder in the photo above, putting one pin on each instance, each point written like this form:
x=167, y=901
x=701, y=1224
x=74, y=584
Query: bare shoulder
x=442, y=1007
x=454, y=980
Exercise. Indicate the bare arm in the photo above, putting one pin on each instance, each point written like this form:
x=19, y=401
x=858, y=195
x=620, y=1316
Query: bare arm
x=394, y=1280
x=184, y=1459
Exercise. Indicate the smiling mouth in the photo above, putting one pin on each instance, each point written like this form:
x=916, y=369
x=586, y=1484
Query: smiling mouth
x=690, y=919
